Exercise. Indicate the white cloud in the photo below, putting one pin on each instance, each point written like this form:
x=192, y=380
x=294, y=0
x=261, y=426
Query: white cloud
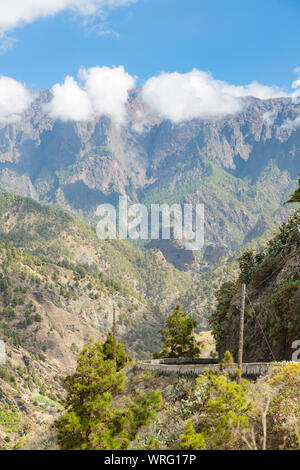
x=291, y=124
x=269, y=118
x=104, y=91
x=14, y=99
x=255, y=90
x=296, y=83
x=6, y=42
x=15, y=13
x=182, y=97
x=69, y=102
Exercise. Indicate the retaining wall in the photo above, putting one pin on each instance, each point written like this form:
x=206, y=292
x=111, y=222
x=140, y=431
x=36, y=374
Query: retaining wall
x=182, y=360
x=251, y=370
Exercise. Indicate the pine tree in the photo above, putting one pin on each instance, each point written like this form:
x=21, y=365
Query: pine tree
x=122, y=358
x=191, y=440
x=91, y=421
x=178, y=337
x=296, y=196
x=226, y=413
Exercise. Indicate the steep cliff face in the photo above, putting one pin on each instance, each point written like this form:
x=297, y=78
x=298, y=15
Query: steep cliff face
x=52, y=160
x=272, y=318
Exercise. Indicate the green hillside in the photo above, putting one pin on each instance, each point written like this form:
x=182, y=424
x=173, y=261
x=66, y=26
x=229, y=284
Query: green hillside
x=58, y=236
x=272, y=313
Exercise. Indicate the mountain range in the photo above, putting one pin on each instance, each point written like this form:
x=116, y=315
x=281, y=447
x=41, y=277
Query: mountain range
x=242, y=167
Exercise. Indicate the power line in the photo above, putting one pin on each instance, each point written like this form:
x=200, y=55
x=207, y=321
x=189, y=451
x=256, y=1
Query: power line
x=256, y=319
x=254, y=311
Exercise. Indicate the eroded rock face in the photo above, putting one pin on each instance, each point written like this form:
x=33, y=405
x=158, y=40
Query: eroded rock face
x=39, y=156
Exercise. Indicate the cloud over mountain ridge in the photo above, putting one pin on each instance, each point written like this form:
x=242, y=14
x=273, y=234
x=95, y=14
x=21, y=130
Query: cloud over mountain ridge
x=177, y=97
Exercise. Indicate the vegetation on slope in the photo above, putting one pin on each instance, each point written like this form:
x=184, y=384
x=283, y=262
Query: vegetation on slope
x=91, y=420
x=211, y=412
x=273, y=299
x=60, y=237
x=47, y=313
x=233, y=205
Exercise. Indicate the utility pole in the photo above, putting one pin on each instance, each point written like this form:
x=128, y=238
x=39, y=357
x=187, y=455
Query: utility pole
x=193, y=331
x=241, y=338
x=114, y=338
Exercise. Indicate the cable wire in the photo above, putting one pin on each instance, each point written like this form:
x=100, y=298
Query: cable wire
x=265, y=337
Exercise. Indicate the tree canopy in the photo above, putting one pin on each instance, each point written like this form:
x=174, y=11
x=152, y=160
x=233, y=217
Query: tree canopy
x=92, y=421
x=122, y=357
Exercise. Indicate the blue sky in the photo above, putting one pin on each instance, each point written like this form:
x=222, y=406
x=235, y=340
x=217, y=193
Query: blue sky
x=238, y=41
